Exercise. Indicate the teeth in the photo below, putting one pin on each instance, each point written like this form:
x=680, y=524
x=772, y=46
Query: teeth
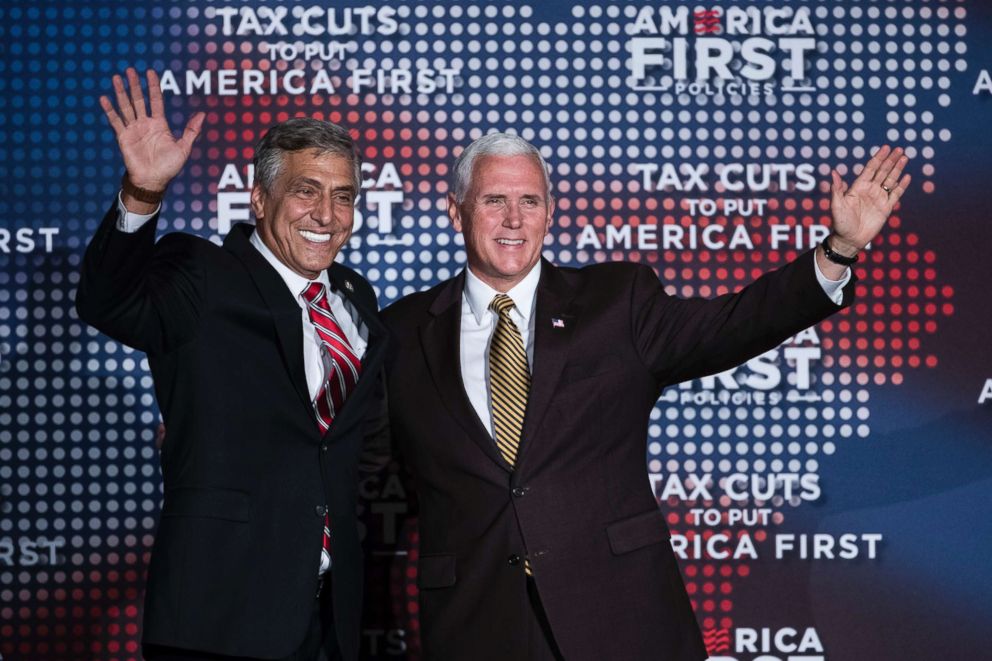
x=316, y=238
x=510, y=242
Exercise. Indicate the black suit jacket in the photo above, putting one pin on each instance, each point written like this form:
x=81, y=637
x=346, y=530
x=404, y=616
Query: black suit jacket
x=578, y=504
x=245, y=471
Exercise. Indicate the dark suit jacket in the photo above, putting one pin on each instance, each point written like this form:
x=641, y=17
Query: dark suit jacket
x=246, y=473
x=578, y=502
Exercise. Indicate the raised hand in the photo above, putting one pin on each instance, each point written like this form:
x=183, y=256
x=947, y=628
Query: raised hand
x=152, y=155
x=860, y=211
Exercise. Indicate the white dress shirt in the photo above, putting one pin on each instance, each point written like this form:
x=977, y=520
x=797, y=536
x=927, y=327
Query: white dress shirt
x=478, y=323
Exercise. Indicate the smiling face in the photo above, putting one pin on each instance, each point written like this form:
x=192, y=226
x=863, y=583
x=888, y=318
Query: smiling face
x=504, y=218
x=308, y=212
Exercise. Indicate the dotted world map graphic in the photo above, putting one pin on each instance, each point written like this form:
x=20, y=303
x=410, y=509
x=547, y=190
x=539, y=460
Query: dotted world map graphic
x=710, y=181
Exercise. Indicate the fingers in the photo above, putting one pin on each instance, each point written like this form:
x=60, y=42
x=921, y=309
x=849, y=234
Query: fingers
x=871, y=168
x=895, y=163
x=112, y=117
x=131, y=102
x=192, y=130
x=899, y=189
x=837, y=185
x=890, y=163
x=137, y=96
x=123, y=102
x=155, y=94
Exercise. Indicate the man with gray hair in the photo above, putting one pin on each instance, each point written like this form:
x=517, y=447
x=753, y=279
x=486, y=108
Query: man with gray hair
x=520, y=394
x=266, y=357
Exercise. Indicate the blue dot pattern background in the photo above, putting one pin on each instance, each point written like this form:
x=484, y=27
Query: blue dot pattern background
x=895, y=438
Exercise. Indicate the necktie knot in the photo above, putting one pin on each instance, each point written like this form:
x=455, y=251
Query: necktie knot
x=344, y=365
x=313, y=292
x=501, y=304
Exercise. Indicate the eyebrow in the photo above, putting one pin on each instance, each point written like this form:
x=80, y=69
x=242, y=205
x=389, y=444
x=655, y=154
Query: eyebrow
x=309, y=181
x=526, y=196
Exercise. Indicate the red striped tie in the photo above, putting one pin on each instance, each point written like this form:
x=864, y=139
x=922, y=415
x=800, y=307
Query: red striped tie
x=341, y=378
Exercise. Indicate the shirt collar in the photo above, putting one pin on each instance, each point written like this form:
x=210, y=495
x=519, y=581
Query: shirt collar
x=479, y=295
x=296, y=282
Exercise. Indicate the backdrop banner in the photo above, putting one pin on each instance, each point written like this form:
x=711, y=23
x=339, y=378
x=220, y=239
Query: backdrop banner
x=828, y=499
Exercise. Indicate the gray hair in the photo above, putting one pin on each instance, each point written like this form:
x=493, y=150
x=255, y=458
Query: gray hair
x=299, y=134
x=493, y=144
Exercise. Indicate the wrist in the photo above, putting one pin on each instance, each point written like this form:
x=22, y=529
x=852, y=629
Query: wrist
x=146, y=193
x=839, y=251
x=843, y=246
x=138, y=207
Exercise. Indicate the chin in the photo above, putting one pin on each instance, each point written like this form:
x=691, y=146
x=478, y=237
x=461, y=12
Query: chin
x=515, y=270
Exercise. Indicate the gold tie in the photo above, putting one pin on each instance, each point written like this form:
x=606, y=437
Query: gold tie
x=509, y=383
x=509, y=379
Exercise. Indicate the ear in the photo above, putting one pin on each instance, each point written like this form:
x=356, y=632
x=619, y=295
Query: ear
x=454, y=213
x=551, y=215
x=257, y=201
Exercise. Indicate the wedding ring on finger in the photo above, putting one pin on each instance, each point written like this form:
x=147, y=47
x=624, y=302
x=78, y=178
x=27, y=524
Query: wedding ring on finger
x=886, y=188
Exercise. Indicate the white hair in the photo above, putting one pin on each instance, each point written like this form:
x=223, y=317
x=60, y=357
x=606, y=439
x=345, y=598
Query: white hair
x=493, y=144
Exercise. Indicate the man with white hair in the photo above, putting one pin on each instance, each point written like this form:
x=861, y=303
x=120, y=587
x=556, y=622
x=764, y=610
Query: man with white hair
x=519, y=396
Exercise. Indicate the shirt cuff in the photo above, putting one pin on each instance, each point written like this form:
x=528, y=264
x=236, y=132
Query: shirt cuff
x=130, y=222
x=832, y=288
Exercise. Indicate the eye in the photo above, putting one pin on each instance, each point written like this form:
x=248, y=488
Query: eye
x=344, y=197
x=529, y=203
x=305, y=191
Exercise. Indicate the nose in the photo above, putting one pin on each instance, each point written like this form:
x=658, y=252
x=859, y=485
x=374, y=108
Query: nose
x=512, y=217
x=323, y=210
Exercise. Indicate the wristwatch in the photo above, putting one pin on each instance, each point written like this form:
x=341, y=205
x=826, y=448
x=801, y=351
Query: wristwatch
x=140, y=194
x=836, y=257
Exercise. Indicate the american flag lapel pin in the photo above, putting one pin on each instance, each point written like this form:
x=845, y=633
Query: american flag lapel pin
x=557, y=322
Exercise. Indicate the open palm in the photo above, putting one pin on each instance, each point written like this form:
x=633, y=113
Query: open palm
x=152, y=155
x=860, y=210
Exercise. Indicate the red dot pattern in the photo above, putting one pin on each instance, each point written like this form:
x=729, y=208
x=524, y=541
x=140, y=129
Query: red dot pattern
x=878, y=341
x=92, y=609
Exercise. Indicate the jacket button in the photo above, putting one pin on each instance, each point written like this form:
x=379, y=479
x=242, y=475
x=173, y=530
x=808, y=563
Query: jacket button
x=320, y=510
x=518, y=492
x=323, y=447
x=513, y=560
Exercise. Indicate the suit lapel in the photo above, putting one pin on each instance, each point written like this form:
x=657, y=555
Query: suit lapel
x=440, y=339
x=339, y=278
x=283, y=307
x=375, y=349
x=288, y=319
x=554, y=323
